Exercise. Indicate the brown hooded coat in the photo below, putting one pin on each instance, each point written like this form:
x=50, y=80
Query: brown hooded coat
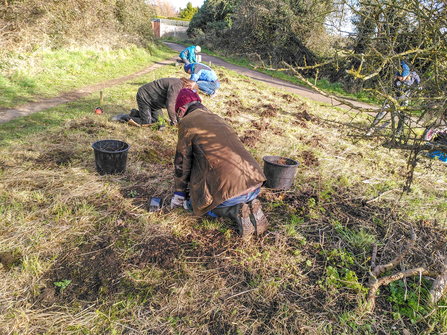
x=212, y=160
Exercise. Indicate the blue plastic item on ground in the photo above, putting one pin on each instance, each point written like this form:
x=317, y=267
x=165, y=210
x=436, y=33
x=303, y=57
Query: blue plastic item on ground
x=442, y=156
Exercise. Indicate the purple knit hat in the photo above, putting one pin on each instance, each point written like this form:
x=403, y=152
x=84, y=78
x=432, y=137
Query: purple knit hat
x=185, y=96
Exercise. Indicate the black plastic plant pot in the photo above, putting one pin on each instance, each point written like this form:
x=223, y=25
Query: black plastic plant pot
x=279, y=171
x=110, y=156
x=161, y=127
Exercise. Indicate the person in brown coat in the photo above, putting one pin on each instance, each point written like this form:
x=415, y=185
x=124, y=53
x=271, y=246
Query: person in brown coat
x=223, y=177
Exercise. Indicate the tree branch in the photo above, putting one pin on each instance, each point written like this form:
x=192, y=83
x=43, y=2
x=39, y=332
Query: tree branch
x=384, y=268
x=371, y=300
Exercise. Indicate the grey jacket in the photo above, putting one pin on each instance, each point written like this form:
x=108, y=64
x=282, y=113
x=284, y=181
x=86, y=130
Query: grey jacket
x=161, y=93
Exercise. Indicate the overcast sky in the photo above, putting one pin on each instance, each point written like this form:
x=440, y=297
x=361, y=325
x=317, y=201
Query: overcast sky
x=182, y=3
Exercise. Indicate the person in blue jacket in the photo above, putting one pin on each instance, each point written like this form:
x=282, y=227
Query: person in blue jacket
x=188, y=55
x=205, y=77
x=404, y=82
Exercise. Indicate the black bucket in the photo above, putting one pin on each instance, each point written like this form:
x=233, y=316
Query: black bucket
x=279, y=172
x=110, y=156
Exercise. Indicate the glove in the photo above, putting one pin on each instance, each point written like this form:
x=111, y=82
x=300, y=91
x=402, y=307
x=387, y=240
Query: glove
x=186, y=205
x=177, y=200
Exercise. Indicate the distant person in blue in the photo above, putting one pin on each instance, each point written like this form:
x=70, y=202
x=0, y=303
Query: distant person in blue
x=404, y=82
x=188, y=55
x=205, y=77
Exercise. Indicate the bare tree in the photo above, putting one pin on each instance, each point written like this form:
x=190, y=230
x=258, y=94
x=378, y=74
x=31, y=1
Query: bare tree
x=164, y=8
x=385, y=34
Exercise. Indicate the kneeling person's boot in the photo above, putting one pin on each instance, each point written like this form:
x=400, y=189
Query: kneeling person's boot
x=134, y=112
x=260, y=221
x=239, y=213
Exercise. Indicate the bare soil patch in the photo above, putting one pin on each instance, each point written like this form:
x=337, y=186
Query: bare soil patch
x=288, y=97
x=261, y=125
x=234, y=103
x=57, y=157
x=251, y=137
x=307, y=158
x=232, y=112
x=270, y=110
x=305, y=116
x=87, y=126
x=9, y=259
x=94, y=270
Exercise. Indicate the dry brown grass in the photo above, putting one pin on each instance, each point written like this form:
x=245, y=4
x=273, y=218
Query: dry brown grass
x=134, y=271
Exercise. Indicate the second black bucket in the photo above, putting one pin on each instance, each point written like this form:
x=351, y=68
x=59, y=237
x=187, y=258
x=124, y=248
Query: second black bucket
x=279, y=172
x=110, y=156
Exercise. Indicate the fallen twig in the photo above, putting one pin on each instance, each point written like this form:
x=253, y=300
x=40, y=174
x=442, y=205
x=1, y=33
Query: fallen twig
x=380, y=195
x=370, y=304
x=374, y=255
x=378, y=270
x=240, y=293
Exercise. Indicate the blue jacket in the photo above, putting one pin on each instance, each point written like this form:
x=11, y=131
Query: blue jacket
x=189, y=53
x=201, y=72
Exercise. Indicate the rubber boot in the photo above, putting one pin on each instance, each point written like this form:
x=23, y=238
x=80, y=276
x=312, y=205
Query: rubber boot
x=134, y=112
x=259, y=220
x=239, y=213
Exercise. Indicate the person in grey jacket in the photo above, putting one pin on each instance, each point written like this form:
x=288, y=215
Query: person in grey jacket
x=223, y=178
x=154, y=96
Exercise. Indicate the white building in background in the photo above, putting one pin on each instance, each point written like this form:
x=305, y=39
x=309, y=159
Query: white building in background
x=165, y=27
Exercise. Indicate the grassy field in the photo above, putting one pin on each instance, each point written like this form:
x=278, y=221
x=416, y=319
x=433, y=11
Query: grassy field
x=46, y=73
x=81, y=253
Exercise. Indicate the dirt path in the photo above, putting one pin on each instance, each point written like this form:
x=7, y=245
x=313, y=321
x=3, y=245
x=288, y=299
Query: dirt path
x=38, y=106
x=10, y=114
